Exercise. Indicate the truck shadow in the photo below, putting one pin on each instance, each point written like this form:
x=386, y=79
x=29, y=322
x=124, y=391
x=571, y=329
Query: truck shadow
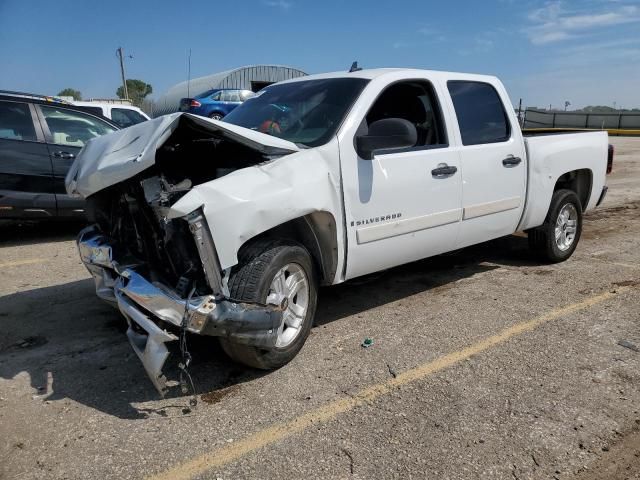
x=437, y=274
x=72, y=346
x=17, y=233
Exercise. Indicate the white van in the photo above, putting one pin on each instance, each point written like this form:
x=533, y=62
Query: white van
x=121, y=114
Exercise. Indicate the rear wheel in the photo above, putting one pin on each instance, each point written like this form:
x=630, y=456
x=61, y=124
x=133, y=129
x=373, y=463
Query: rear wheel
x=216, y=116
x=557, y=238
x=268, y=272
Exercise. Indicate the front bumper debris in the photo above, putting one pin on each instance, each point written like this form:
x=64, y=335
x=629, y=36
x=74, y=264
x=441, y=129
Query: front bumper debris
x=154, y=310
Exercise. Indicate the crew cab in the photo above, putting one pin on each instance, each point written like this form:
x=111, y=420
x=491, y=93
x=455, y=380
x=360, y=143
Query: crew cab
x=228, y=229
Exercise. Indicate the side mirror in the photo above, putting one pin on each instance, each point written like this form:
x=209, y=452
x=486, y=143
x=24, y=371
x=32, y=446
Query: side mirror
x=385, y=134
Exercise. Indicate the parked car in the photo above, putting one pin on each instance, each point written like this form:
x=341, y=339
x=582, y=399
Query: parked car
x=215, y=104
x=228, y=229
x=122, y=115
x=39, y=139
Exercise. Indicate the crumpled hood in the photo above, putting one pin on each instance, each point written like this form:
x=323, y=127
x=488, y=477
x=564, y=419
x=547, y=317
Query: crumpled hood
x=107, y=160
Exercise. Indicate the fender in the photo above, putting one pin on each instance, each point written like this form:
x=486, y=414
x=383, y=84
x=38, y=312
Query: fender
x=250, y=201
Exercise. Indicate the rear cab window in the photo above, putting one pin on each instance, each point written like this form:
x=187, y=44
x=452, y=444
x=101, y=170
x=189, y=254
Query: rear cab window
x=16, y=122
x=481, y=114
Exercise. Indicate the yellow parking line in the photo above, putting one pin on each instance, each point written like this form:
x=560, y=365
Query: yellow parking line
x=268, y=436
x=23, y=262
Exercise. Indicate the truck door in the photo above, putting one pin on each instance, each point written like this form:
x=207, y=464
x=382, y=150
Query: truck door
x=404, y=204
x=493, y=162
x=66, y=132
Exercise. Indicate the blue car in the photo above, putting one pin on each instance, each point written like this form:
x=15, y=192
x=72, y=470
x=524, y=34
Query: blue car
x=216, y=103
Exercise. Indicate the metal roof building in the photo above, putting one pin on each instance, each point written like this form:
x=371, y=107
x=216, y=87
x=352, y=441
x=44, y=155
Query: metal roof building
x=253, y=77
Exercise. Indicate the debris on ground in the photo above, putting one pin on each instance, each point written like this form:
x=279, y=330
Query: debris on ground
x=29, y=342
x=367, y=342
x=629, y=345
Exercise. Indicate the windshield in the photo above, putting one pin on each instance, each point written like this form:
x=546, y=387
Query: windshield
x=307, y=112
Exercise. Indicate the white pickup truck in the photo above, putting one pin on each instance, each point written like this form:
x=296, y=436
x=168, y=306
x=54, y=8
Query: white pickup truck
x=229, y=228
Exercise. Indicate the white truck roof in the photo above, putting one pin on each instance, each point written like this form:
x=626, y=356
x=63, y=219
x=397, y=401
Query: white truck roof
x=373, y=73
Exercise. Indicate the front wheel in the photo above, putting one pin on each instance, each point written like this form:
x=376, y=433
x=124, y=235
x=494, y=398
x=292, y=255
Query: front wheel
x=557, y=238
x=268, y=272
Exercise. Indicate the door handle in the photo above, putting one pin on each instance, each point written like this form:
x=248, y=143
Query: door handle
x=511, y=161
x=65, y=155
x=444, y=170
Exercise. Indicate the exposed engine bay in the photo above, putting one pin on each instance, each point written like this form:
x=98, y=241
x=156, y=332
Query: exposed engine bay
x=134, y=213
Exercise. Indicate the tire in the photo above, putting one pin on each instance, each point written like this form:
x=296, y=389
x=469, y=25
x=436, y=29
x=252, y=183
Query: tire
x=252, y=280
x=216, y=116
x=557, y=238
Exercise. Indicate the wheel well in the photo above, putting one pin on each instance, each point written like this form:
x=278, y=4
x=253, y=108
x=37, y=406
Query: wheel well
x=317, y=233
x=580, y=181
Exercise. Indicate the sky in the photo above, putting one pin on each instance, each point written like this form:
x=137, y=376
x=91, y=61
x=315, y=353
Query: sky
x=586, y=52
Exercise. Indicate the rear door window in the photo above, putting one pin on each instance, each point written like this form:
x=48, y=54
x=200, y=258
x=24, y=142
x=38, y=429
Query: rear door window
x=125, y=117
x=73, y=128
x=481, y=115
x=231, y=96
x=16, y=122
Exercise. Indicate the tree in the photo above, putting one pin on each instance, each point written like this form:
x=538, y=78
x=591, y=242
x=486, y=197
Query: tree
x=137, y=90
x=599, y=109
x=70, y=92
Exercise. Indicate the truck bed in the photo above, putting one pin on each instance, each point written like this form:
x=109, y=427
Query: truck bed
x=552, y=155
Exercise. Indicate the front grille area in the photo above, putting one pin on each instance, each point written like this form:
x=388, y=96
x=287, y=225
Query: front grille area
x=164, y=249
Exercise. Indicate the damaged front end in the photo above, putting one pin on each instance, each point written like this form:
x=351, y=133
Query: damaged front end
x=156, y=312
x=163, y=273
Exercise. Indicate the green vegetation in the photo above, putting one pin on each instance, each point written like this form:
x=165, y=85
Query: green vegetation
x=70, y=92
x=137, y=90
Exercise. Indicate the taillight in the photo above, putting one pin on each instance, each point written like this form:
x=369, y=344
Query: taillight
x=610, y=159
x=194, y=103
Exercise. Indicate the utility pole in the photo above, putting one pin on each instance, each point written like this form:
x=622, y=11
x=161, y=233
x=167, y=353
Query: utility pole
x=120, y=54
x=189, y=75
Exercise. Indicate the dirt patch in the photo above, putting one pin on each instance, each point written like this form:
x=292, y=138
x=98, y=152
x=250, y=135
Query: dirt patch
x=619, y=461
x=604, y=222
x=627, y=283
x=618, y=211
x=217, y=395
x=542, y=272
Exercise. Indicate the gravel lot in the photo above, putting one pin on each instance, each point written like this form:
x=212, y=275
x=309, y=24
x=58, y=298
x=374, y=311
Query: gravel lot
x=484, y=365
